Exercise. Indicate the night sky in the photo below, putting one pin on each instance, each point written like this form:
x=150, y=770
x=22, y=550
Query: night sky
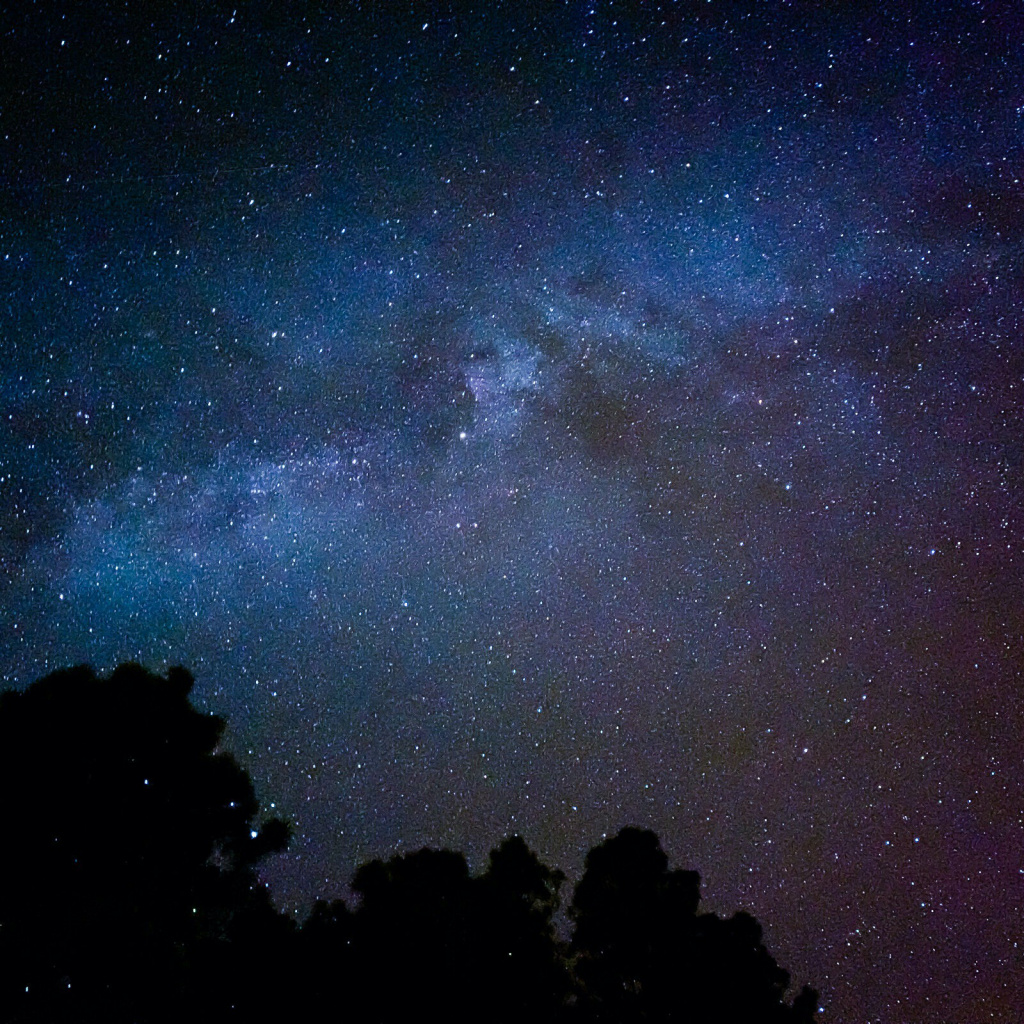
x=547, y=417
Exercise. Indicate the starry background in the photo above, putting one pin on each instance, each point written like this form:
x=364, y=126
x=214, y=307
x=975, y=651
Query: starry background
x=546, y=418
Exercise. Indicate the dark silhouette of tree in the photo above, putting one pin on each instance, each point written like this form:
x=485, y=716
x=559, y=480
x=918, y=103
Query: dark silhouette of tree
x=128, y=892
x=427, y=934
x=129, y=845
x=631, y=915
x=642, y=953
x=413, y=947
x=520, y=965
x=325, y=961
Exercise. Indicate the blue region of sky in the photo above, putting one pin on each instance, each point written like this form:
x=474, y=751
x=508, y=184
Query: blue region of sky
x=547, y=418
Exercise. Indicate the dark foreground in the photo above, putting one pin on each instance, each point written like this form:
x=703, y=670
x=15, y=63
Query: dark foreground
x=128, y=892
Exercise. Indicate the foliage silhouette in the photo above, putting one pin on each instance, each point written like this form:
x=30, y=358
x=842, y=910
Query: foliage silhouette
x=128, y=892
x=426, y=933
x=518, y=957
x=642, y=952
x=413, y=934
x=129, y=845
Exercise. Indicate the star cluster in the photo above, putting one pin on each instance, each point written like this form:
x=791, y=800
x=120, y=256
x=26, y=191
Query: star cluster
x=546, y=418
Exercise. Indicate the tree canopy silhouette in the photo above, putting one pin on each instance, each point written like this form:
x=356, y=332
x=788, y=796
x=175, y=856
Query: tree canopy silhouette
x=128, y=892
x=476, y=946
x=126, y=866
x=642, y=952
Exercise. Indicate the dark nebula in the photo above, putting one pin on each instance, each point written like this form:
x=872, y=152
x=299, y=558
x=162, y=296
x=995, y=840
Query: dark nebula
x=544, y=418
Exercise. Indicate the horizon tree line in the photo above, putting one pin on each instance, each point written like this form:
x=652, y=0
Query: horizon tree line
x=129, y=892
